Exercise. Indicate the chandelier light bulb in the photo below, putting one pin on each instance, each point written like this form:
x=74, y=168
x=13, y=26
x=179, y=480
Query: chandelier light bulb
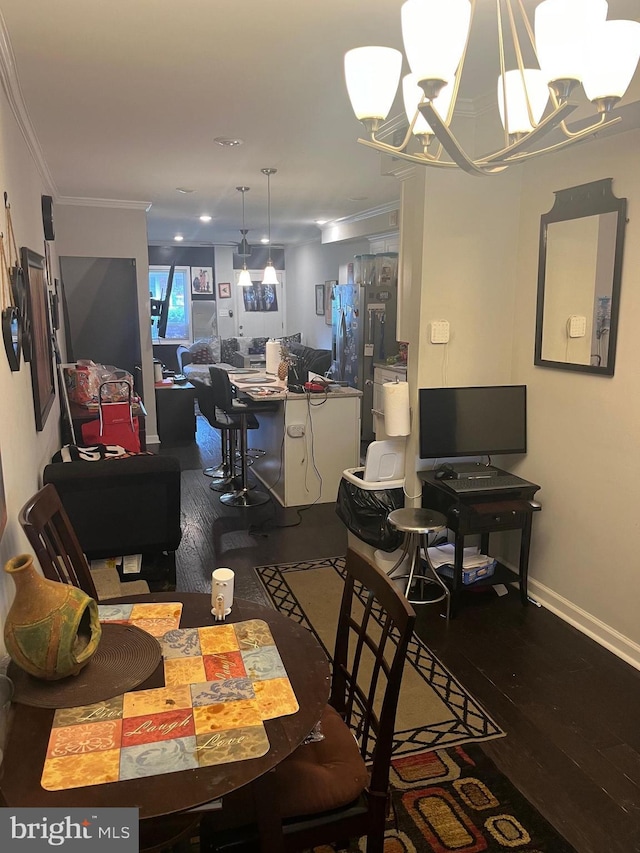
x=372, y=75
x=530, y=86
x=434, y=35
x=563, y=32
x=616, y=50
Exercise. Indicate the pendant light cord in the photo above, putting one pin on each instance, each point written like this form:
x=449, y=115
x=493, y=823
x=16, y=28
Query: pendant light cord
x=269, y=211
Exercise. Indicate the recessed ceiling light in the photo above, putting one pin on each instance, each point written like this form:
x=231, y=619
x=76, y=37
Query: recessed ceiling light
x=205, y=218
x=357, y=198
x=264, y=240
x=184, y=190
x=227, y=141
x=178, y=238
x=321, y=221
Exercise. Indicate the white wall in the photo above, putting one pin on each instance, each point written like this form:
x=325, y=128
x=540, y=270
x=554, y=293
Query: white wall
x=476, y=257
x=84, y=231
x=24, y=451
x=306, y=266
x=583, y=444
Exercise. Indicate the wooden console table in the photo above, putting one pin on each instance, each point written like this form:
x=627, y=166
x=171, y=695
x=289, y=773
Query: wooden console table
x=482, y=512
x=175, y=410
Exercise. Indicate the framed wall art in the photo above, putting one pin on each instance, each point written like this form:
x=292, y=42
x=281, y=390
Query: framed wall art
x=202, y=282
x=42, y=372
x=320, y=299
x=224, y=289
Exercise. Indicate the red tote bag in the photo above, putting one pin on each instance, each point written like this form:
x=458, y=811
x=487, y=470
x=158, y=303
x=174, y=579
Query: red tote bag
x=116, y=424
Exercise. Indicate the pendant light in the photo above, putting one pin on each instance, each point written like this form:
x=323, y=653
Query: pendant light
x=244, y=249
x=269, y=276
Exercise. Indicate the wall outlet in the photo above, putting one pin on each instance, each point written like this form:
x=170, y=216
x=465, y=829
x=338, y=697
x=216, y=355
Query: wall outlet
x=577, y=326
x=295, y=430
x=439, y=331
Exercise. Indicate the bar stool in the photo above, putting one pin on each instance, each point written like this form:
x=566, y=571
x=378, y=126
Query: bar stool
x=417, y=524
x=223, y=477
x=244, y=409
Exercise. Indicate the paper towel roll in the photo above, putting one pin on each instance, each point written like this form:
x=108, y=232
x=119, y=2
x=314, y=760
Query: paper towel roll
x=272, y=356
x=395, y=405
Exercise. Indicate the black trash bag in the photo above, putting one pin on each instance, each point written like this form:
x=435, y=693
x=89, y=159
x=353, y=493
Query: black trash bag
x=365, y=514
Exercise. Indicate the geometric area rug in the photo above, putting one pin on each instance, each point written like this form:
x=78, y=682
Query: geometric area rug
x=457, y=800
x=434, y=709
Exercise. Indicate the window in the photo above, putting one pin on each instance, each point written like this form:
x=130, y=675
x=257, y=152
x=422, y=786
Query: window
x=179, y=319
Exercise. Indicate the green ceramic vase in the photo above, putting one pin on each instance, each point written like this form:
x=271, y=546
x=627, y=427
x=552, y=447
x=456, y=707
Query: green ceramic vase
x=52, y=629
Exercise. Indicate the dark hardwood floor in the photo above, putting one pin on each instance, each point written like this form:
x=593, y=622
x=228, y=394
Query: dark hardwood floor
x=570, y=708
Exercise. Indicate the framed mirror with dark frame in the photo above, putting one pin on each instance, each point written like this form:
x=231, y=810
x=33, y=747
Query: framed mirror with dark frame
x=579, y=275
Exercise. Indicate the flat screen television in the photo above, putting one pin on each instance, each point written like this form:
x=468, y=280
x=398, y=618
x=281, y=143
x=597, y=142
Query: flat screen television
x=474, y=421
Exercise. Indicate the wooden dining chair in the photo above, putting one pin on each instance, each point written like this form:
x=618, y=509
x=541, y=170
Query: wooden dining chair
x=337, y=789
x=52, y=537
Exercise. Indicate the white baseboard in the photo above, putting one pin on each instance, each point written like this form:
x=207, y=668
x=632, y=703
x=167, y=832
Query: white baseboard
x=603, y=634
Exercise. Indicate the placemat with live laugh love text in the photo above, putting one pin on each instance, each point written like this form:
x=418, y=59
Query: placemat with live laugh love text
x=221, y=681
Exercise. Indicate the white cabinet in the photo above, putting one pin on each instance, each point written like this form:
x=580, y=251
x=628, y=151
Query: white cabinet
x=309, y=441
x=380, y=376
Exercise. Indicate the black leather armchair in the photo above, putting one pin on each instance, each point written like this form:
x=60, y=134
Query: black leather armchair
x=124, y=506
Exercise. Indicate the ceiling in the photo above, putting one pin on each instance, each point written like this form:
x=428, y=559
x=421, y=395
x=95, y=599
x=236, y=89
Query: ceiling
x=126, y=98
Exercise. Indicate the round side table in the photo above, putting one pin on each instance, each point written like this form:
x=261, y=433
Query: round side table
x=417, y=524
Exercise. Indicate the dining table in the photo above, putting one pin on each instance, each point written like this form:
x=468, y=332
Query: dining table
x=307, y=668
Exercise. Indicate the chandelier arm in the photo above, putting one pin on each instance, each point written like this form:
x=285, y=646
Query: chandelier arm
x=503, y=73
x=422, y=159
x=602, y=122
x=520, y=61
x=547, y=124
x=403, y=144
x=521, y=156
x=448, y=141
x=527, y=26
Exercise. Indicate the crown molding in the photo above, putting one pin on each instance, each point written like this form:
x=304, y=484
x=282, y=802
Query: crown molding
x=389, y=207
x=13, y=91
x=104, y=202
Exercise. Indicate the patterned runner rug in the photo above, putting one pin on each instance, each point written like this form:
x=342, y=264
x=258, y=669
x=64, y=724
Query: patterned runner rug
x=434, y=709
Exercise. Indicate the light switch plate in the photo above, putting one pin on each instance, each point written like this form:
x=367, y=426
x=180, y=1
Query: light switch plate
x=577, y=326
x=439, y=331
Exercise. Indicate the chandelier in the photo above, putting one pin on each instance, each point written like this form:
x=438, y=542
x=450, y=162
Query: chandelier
x=244, y=249
x=572, y=43
x=269, y=276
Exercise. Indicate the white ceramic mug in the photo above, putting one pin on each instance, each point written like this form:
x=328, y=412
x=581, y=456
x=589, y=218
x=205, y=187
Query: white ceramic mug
x=222, y=585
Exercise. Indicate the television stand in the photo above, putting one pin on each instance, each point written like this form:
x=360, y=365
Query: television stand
x=486, y=512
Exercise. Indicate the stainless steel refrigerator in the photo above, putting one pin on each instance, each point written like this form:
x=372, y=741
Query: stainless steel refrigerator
x=363, y=313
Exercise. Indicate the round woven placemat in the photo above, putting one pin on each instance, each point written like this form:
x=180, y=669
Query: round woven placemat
x=125, y=657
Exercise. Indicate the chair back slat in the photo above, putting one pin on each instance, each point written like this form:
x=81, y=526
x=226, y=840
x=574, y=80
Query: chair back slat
x=204, y=394
x=48, y=529
x=374, y=628
x=222, y=390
